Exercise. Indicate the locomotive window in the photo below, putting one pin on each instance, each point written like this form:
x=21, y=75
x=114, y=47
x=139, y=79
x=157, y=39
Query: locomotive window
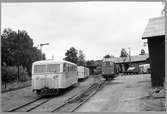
x=53, y=68
x=107, y=63
x=39, y=68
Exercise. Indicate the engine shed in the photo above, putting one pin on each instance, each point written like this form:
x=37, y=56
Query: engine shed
x=155, y=35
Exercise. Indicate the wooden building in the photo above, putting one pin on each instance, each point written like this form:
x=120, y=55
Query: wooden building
x=155, y=35
x=125, y=62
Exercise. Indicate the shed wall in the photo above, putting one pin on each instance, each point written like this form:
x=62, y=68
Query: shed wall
x=157, y=58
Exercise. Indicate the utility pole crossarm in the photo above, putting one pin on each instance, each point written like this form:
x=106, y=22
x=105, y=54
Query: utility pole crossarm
x=41, y=45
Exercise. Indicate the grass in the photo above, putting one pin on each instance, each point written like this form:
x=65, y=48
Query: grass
x=14, y=86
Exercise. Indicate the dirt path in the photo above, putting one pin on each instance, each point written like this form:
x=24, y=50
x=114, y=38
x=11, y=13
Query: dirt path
x=123, y=94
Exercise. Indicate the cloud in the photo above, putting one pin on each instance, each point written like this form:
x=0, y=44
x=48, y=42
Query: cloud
x=98, y=28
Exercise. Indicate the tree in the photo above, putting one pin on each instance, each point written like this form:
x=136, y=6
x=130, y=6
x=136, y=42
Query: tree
x=123, y=53
x=26, y=49
x=124, y=56
x=18, y=50
x=36, y=54
x=91, y=65
x=81, y=58
x=7, y=46
x=11, y=54
x=142, y=52
x=107, y=56
x=71, y=55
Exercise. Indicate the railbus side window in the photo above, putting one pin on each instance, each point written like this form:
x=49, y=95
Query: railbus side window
x=68, y=67
x=75, y=68
x=71, y=67
x=65, y=67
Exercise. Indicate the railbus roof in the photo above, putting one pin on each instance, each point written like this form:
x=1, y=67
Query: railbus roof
x=52, y=62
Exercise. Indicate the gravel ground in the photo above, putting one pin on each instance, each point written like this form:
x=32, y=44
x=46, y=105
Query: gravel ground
x=19, y=97
x=125, y=94
x=49, y=106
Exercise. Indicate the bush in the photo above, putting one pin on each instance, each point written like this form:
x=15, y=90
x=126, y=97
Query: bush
x=23, y=75
x=9, y=74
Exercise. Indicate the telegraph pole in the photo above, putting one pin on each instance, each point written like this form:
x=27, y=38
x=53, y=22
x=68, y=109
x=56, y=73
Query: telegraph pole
x=129, y=57
x=165, y=8
x=41, y=45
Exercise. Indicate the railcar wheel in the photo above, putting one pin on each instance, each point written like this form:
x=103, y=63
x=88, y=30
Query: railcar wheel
x=107, y=79
x=58, y=92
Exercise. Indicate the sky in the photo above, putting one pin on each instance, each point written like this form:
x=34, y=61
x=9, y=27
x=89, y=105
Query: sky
x=96, y=28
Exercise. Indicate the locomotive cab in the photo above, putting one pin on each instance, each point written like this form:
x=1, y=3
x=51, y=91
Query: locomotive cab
x=108, y=70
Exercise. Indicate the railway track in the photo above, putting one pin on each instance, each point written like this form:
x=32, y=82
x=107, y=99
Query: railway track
x=30, y=106
x=17, y=108
x=74, y=103
x=69, y=105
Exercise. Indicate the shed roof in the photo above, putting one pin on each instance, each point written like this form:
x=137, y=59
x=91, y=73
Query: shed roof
x=135, y=58
x=155, y=27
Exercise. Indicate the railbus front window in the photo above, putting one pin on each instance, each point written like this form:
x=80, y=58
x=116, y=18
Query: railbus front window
x=39, y=68
x=53, y=68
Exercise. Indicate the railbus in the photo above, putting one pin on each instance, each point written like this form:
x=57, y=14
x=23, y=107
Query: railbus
x=50, y=76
